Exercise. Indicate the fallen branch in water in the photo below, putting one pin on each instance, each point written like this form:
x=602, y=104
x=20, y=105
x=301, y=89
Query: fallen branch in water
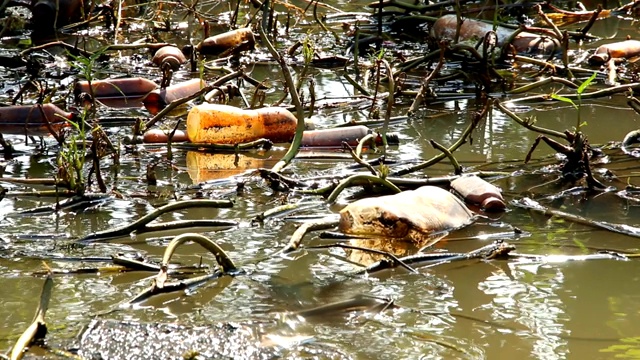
x=393, y=259
x=284, y=209
x=160, y=285
x=295, y=99
x=529, y=123
x=75, y=203
x=532, y=205
x=143, y=221
x=359, y=302
x=119, y=264
x=491, y=251
x=298, y=235
x=479, y=116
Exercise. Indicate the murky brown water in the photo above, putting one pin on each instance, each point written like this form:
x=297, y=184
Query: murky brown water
x=524, y=309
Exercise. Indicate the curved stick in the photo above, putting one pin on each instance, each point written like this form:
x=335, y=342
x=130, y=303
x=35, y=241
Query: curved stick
x=222, y=258
x=298, y=235
x=463, y=139
x=295, y=99
x=140, y=223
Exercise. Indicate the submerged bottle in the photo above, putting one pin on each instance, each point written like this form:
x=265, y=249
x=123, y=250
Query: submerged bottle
x=240, y=39
x=479, y=192
x=224, y=124
x=336, y=136
x=33, y=120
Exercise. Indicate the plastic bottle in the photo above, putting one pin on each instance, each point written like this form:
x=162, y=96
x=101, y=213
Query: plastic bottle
x=618, y=50
x=336, y=136
x=109, y=88
x=223, y=124
x=32, y=119
x=158, y=99
x=478, y=191
x=170, y=55
x=215, y=45
x=446, y=26
x=157, y=136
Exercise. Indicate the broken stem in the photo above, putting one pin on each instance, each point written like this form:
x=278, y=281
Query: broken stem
x=140, y=223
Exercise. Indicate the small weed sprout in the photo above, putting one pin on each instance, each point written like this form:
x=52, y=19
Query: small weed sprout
x=578, y=107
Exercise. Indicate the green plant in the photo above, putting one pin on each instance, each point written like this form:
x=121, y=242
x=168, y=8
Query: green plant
x=71, y=158
x=578, y=107
x=72, y=155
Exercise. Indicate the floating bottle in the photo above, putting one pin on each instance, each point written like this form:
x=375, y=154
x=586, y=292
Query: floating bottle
x=474, y=30
x=336, y=136
x=43, y=14
x=479, y=192
x=223, y=124
x=157, y=136
x=113, y=88
x=170, y=55
x=32, y=119
x=416, y=215
x=239, y=39
x=158, y=99
x=616, y=51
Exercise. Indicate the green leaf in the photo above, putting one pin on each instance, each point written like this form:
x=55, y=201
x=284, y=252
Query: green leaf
x=586, y=83
x=564, y=99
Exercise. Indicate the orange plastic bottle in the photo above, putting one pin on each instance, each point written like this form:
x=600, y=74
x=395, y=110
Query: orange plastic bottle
x=32, y=119
x=480, y=192
x=223, y=124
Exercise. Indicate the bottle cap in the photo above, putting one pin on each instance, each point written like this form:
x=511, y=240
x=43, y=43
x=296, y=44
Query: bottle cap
x=493, y=203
